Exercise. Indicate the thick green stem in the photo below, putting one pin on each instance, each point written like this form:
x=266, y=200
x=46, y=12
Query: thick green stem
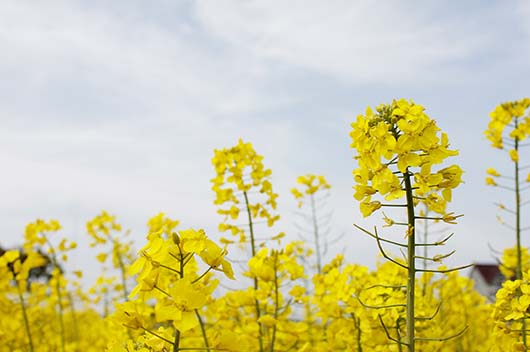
x=519, y=269
x=25, y=316
x=253, y=248
x=316, y=234
x=176, y=343
x=411, y=262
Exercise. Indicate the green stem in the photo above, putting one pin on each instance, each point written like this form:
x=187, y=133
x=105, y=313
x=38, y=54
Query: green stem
x=411, y=262
x=25, y=316
x=250, y=224
x=316, y=234
x=398, y=333
x=203, y=329
x=276, y=300
x=61, y=311
x=159, y=336
x=309, y=315
x=357, y=325
x=176, y=344
x=58, y=291
x=122, y=270
x=425, y=250
x=519, y=270
x=253, y=248
x=74, y=318
x=202, y=275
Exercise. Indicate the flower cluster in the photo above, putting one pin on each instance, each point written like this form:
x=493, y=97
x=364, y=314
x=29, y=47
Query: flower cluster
x=105, y=230
x=310, y=185
x=511, y=115
x=41, y=310
x=239, y=172
x=309, y=193
x=401, y=134
x=262, y=316
x=508, y=265
x=167, y=274
x=179, y=303
x=511, y=309
x=356, y=305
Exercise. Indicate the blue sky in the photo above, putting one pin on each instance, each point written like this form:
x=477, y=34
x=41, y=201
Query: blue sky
x=119, y=105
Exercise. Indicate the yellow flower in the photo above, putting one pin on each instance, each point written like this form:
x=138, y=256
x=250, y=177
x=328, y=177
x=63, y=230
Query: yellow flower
x=267, y=320
x=368, y=207
x=214, y=256
x=490, y=181
x=10, y=256
x=492, y=172
x=35, y=230
x=129, y=315
x=450, y=218
x=186, y=298
x=193, y=241
x=101, y=257
x=161, y=224
x=501, y=118
x=514, y=155
x=297, y=291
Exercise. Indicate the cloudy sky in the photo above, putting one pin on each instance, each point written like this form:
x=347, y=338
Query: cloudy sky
x=119, y=105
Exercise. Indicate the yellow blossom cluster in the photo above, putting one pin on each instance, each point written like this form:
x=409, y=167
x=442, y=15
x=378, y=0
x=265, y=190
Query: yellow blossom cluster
x=239, y=172
x=509, y=125
x=264, y=316
x=105, y=230
x=309, y=193
x=168, y=276
x=510, y=312
x=187, y=297
x=513, y=115
x=356, y=305
x=310, y=185
x=508, y=265
x=402, y=136
x=40, y=309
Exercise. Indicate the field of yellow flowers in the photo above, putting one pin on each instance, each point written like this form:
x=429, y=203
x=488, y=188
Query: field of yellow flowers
x=182, y=291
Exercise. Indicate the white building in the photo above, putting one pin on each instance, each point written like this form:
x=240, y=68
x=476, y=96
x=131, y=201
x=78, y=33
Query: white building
x=488, y=279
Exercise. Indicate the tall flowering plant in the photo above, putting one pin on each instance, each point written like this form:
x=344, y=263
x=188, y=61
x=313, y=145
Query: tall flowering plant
x=399, y=150
x=307, y=192
x=242, y=187
x=507, y=130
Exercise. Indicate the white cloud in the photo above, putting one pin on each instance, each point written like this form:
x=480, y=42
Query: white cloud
x=354, y=40
x=105, y=110
x=114, y=67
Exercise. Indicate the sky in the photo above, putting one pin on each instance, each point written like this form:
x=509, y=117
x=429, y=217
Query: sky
x=119, y=105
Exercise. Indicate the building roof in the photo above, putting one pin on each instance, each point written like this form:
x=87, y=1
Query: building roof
x=488, y=271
